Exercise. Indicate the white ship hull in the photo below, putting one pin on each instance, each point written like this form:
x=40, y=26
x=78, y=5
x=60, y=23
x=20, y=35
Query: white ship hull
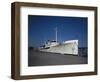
x=68, y=47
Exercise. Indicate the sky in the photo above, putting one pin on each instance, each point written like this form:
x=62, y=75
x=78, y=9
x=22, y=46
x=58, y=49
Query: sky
x=42, y=28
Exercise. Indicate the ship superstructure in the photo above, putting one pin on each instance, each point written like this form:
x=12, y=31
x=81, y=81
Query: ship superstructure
x=66, y=47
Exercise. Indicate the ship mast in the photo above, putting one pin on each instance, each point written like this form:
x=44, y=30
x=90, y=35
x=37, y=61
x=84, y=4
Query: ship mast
x=56, y=33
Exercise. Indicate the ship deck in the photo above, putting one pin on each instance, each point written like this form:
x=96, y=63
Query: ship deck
x=37, y=58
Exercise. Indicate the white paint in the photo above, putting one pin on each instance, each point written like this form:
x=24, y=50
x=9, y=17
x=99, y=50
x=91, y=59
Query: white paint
x=68, y=47
x=25, y=70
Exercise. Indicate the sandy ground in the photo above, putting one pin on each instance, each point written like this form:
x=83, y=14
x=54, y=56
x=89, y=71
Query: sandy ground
x=36, y=58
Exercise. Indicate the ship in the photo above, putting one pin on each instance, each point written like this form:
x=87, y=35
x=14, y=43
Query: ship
x=66, y=47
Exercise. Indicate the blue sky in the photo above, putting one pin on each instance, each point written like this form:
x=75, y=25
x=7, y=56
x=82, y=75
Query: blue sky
x=42, y=28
